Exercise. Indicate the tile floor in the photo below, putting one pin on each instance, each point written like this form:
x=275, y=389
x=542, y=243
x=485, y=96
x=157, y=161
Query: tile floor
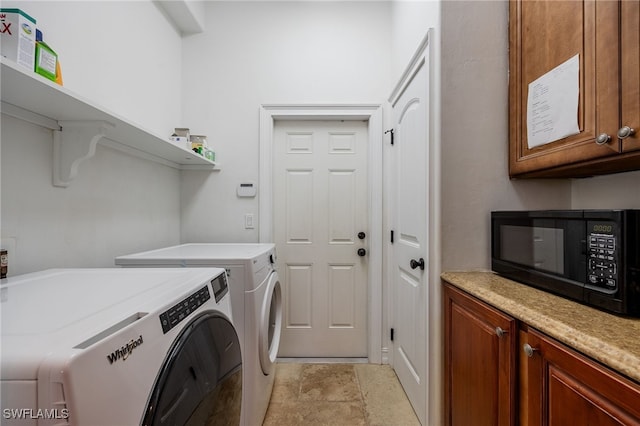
x=338, y=395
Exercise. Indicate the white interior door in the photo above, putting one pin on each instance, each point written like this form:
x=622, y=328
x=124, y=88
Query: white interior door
x=320, y=207
x=410, y=246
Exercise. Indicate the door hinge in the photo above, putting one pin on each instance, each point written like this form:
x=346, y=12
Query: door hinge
x=392, y=236
x=392, y=334
x=390, y=131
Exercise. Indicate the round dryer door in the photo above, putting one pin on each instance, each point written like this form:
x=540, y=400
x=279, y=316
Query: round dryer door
x=201, y=380
x=270, y=323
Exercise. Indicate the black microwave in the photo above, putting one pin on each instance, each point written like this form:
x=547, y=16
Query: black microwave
x=590, y=256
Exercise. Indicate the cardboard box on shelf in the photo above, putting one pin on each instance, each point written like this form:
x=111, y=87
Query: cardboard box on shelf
x=199, y=144
x=18, y=37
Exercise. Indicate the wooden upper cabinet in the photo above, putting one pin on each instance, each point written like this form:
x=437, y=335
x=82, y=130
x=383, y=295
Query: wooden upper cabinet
x=546, y=33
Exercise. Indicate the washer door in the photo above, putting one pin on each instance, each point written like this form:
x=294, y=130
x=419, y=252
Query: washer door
x=200, y=382
x=270, y=323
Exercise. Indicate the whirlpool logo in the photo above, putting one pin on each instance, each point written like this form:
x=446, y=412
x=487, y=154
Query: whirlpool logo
x=124, y=352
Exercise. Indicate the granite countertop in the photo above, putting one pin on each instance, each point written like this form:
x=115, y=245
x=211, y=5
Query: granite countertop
x=610, y=339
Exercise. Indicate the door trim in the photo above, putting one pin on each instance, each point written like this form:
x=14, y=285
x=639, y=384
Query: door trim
x=269, y=113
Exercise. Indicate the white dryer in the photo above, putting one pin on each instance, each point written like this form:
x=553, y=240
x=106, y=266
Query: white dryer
x=257, y=305
x=119, y=347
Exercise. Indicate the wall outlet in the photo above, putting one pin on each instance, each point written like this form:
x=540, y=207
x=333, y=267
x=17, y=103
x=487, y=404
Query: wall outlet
x=248, y=221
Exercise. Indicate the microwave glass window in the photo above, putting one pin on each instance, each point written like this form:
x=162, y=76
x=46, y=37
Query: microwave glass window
x=537, y=247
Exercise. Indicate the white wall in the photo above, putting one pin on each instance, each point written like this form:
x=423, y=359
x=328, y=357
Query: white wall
x=255, y=53
x=410, y=21
x=124, y=56
x=617, y=191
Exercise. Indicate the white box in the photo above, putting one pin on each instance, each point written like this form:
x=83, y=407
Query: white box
x=18, y=37
x=181, y=141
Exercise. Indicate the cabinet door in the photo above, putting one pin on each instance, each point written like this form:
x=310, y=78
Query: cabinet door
x=543, y=35
x=479, y=362
x=630, y=72
x=561, y=387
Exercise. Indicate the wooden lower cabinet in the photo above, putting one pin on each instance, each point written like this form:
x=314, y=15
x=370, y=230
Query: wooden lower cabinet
x=491, y=379
x=480, y=344
x=559, y=386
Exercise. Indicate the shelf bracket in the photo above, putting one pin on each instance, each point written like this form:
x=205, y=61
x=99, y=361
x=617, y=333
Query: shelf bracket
x=74, y=143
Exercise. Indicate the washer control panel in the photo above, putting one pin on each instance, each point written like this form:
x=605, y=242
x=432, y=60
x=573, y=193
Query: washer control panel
x=174, y=315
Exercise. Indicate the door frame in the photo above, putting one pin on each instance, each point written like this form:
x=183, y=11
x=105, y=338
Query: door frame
x=269, y=113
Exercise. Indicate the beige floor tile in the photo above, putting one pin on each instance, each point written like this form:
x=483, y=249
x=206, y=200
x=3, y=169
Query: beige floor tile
x=315, y=413
x=338, y=395
x=286, y=386
x=329, y=382
x=385, y=401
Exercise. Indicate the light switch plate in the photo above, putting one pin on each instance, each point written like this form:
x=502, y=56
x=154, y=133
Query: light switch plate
x=248, y=221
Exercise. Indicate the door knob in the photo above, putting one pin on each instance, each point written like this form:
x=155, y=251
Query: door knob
x=361, y=235
x=417, y=263
x=625, y=132
x=361, y=252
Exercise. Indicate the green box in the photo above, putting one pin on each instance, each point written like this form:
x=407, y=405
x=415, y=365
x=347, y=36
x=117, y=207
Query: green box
x=46, y=61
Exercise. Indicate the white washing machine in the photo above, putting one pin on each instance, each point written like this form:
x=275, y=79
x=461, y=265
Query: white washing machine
x=257, y=305
x=119, y=347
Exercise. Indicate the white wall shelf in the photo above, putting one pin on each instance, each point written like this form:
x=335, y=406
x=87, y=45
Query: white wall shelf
x=79, y=124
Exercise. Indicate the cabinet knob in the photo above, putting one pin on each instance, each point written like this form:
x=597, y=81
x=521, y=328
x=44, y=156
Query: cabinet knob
x=625, y=131
x=362, y=252
x=528, y=350
x=603, y=138
x=500, y=332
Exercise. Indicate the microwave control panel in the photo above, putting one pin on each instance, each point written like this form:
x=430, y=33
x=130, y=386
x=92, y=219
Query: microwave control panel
x=602, y=269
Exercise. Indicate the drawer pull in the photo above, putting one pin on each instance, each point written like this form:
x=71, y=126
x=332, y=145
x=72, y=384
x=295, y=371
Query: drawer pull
x=625, y=132
x=528, y=350
x=500, y=332
x=602, y=139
